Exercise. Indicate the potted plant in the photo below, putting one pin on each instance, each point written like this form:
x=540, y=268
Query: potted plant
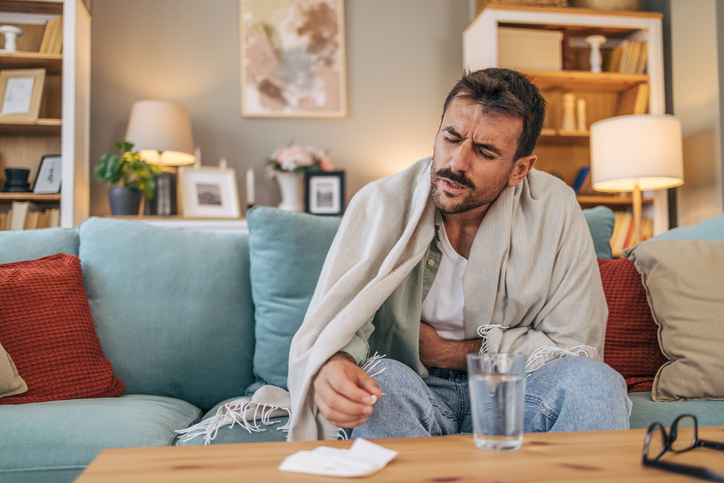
x=129, y=177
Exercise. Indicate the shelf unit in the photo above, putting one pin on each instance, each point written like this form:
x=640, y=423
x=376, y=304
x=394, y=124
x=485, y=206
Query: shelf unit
x=565, y=153
x=63, y=125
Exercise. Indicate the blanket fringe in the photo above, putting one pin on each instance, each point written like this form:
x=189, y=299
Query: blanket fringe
x=245, y=414
x=372, y=362
x=552, y=352
x=483, y=333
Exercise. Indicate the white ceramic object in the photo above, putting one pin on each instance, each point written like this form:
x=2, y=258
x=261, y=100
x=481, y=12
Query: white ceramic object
x=581, y=119
x=11, y=34
x=595, y=41
x=289, y=187
x=569, y=112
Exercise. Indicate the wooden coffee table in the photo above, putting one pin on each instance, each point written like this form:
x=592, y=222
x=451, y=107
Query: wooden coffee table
x=605, y=456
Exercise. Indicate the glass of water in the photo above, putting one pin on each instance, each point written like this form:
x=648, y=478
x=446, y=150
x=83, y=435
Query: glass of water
x=497, y=385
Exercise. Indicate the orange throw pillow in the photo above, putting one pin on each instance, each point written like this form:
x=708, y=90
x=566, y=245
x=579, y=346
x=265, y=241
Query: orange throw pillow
x=632, y=344
x=46, y=324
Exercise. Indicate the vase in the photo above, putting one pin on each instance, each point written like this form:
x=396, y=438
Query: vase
x=124, y=201
x=289, y=187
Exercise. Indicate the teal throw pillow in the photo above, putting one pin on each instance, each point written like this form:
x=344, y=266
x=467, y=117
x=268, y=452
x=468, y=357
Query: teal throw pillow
x=287, y=251
x=601, y=221
x=711, y=229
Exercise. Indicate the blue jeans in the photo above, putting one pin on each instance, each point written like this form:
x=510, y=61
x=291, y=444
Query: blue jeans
x=566, y=394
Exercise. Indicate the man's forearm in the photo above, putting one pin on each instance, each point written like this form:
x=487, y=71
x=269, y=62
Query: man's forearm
x=443, y=353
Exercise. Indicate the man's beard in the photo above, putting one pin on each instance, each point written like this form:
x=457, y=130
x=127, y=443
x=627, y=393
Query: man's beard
x=472, y=199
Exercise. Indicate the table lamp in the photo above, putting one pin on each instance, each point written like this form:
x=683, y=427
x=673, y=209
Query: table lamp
x=161, y=132
x=636, y=153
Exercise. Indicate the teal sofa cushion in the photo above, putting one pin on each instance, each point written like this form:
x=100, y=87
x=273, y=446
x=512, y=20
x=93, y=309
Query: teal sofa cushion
x=16, y=246
x=238, y=434
x=287, y=251
x=601, y=221
x=711, y=229
x=55, y=441
x=646, y=411
x=172, y=308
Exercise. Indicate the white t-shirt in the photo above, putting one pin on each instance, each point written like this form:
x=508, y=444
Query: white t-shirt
x=444, y=306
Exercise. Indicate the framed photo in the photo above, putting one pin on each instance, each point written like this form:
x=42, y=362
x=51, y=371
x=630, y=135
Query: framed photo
x=208, y=193
x=20, y=94
x=293, y=58
x=324, y=192
x=47, y=179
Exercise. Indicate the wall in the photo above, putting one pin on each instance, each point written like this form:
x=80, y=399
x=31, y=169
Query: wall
x=695, y=83
x=403, y=56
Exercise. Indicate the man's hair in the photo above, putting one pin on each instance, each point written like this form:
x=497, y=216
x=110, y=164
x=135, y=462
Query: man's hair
x=506, y=92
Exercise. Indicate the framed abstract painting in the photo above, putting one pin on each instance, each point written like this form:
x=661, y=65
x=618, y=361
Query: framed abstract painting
x=293, y=58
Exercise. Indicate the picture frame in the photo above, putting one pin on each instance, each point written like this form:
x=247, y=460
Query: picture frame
x=21, y=91
x=324, y=192
x=49, y=174
x=293, y=62
x=208, y=192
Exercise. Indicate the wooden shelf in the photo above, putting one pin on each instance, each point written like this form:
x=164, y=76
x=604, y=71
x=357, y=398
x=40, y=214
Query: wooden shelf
x=556, y=136
x=37, y=197
x=609, y=200
x=34, y=6
x=584, y=80
x=52, y=63
x=39, y=126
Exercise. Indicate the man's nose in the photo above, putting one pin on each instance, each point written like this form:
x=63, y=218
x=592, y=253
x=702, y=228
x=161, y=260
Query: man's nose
x=462, y=157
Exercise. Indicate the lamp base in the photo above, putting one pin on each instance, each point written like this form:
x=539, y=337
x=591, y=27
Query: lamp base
x=164, y=196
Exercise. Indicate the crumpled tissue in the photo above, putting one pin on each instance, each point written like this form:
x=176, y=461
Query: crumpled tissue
x=362, y=459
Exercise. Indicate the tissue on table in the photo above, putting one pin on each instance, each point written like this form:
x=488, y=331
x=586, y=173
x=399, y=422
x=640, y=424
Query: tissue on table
x=362, y=459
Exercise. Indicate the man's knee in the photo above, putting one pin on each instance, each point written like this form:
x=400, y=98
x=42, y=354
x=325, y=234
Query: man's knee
x=577, y=393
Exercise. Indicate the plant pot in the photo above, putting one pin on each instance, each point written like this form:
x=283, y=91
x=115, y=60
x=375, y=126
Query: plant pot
x=124, y=201
x=289, y=187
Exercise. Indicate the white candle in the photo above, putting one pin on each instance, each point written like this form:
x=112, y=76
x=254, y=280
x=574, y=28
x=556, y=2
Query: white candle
x=197, y=153
x=222, y=163
x=250, y=186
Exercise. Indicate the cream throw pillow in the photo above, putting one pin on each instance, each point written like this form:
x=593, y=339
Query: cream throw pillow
x=10, y=381
x=684, y=282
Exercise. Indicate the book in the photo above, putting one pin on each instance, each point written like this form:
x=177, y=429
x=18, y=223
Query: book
x=634, y=101
x=643, y=58
x=31, y=220
x=625, y=46
x=624, y=222
x=3, y=221
x=19, y=211
x=47, y=33
x=580, y=178
x=56, y=36
x=52, y=218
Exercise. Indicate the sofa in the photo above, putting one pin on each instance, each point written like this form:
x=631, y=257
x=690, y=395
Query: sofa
x=124, y=333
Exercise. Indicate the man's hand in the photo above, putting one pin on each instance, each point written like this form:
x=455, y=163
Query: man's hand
x=443, y=353
x=343, y=392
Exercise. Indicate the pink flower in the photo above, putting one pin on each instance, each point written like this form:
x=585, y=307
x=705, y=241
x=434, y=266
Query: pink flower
x=325, y=164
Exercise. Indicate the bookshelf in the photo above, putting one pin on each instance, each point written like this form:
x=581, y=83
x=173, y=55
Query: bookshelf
x=63, y=122
x=606, y=94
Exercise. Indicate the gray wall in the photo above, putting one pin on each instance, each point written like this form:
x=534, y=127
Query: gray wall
x=403, y=56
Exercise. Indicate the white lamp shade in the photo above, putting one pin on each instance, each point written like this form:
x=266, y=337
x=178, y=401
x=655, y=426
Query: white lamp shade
x=644, y=150
x=161, y=132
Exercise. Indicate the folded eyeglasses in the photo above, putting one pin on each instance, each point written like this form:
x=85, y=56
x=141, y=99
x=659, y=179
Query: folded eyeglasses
x=683, y=436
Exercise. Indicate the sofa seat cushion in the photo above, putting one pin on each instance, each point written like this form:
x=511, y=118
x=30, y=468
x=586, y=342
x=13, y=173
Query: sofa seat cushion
x=40, y=440
x=238, y=434
x=172, y=308
x=646, y=411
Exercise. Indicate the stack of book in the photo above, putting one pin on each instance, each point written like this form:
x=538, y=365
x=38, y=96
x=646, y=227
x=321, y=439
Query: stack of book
x=623, y=232
x=52, y=41
x=630, y=57
x=25, y=215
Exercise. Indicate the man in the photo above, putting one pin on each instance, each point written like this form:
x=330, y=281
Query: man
x=472, y=251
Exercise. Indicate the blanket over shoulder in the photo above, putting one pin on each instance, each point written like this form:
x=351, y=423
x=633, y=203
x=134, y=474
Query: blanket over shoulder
x=531, y=285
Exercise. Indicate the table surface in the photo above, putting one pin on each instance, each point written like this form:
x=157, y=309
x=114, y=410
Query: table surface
x=544, y=457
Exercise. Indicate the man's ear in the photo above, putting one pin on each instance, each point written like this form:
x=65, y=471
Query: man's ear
x=521, y=169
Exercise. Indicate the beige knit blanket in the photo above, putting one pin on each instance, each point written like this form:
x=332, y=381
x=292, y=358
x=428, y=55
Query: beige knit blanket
x=531, y=285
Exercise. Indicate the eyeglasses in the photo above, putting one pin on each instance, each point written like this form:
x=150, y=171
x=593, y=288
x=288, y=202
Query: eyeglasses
x=683, y=436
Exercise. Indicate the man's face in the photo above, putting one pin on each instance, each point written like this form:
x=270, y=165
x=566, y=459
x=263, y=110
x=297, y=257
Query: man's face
x=473, y=158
